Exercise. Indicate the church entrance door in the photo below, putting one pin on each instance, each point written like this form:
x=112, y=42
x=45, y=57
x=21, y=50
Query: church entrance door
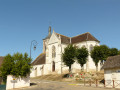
x=53, y=66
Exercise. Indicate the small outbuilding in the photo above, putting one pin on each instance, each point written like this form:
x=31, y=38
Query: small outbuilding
x=38, y=66
x=112, y=71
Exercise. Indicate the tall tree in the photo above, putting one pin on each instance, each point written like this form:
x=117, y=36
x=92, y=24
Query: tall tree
x=81, y=55
x=99, y=53
x=69, y=55
x=95, y=55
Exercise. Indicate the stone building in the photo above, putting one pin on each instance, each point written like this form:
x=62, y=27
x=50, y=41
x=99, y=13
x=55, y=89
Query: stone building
x=112, y=70
x=50, y=60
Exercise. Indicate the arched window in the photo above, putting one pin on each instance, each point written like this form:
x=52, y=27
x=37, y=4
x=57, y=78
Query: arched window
x=84, y=46
x=53, y=52
x=91, y=47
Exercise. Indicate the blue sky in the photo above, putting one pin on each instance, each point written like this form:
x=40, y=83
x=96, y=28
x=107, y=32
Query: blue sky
x=22, y=21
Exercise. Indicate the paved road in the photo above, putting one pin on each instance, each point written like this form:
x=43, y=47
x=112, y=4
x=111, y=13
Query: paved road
x=54, y=85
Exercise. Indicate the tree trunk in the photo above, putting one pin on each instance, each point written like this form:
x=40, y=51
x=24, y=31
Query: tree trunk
x=97, y=68
x=82, y=68
x=69, y=69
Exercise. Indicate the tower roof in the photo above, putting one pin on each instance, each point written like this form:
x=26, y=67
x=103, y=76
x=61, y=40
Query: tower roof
x=49, y=33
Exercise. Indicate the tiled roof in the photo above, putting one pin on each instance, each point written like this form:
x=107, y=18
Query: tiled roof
x=64, y=39
x=112, y=62
x=83, y=37
x=1, y=60
x=40, y=59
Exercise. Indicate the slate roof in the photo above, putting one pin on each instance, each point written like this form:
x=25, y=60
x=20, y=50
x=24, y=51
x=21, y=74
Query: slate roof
x=83, y=37
x=112, y=62
x=40, y=59
x=1, y=60
x=64, y=39
x=80, y=38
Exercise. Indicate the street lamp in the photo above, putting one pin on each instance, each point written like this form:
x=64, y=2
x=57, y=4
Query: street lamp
x=34, y=43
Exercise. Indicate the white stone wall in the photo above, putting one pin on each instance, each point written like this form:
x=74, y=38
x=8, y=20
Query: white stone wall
x=13, y=82
x=37, y=70
x=112, y=74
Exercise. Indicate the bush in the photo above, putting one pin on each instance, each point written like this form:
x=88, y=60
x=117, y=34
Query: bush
x=16, y=65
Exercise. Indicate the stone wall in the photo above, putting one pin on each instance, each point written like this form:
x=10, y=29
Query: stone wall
x=13, y=82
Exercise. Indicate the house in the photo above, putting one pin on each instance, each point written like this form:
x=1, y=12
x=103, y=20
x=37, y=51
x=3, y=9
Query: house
x=50, y=61
x=112, y=71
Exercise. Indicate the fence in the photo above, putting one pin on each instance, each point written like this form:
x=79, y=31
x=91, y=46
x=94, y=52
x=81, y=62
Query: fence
x=101, y=83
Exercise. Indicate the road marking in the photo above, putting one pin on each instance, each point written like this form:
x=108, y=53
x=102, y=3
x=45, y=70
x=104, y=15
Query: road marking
x=72, y=84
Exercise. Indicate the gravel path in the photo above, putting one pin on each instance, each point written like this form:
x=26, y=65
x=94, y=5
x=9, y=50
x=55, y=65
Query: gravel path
x=55, y=85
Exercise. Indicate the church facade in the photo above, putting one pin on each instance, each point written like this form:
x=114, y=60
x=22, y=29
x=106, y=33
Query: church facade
x=50, y=61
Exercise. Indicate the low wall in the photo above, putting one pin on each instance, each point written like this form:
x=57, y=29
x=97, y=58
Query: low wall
x=13, y=82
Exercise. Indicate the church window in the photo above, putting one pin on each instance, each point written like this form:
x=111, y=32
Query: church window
x=91, y=47
x=53, y=52
x=83, y=46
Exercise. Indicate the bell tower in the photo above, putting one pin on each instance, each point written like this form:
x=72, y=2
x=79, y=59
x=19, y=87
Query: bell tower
x=46, y=39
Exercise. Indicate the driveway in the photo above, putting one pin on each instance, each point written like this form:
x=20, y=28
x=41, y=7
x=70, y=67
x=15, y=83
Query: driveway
x=55, y=85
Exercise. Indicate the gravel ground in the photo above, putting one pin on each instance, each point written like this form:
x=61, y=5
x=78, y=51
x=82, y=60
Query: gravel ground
x=55, y=85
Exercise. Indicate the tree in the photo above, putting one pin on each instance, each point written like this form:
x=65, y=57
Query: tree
x=99, y=53
x=103, y=52
x=16, y=65
x=81, y=55
x=69, y=55
x=113, y=51
x=119, y=52
x=95, y=55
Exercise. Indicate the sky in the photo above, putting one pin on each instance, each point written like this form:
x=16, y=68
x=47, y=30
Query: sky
x=22, y=21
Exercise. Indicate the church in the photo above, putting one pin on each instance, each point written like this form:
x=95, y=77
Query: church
x=50, y=61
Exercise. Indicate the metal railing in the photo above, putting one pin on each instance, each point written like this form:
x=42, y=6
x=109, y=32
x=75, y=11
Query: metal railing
x=101, y=83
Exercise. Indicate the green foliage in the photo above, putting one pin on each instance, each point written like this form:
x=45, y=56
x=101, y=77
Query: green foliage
x=103, y=52
x=95, y=54
x=17, y=65
x=69, y=55
x=119, y=52
x=81, y=55
x=99, y=53
x=113, y=51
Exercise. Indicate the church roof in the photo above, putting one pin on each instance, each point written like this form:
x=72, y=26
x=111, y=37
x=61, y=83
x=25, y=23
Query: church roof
x=1, y=60
x=49, y=35
x=40, y=59
x=83, y=37
x=112, y=62
x=76, y=39
x=64, y=39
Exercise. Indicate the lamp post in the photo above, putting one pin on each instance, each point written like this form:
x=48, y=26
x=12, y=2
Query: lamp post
x=34, y=43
